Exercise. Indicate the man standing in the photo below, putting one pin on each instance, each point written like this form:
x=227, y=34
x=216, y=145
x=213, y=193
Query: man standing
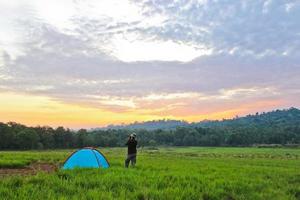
x=131, y=153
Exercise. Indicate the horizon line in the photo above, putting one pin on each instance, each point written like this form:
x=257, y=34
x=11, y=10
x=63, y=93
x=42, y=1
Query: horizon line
x=163, y=119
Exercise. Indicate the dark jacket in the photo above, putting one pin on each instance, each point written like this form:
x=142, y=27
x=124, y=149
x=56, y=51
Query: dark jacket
x=131, y=143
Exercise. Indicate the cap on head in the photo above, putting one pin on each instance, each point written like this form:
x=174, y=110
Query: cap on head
x=133, y=135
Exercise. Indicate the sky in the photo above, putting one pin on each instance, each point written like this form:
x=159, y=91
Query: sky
x=90, y=63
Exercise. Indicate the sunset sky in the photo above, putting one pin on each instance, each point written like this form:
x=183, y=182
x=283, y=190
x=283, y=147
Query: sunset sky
x=90, y=63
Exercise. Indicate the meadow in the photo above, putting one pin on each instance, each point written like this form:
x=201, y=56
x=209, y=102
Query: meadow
x=163, y=173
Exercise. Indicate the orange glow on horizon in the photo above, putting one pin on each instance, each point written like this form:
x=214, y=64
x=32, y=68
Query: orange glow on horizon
x=240, y=111
x=38, y=110
x=33, y=111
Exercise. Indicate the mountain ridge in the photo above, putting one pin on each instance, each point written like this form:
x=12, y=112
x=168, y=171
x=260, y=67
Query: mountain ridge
x=257, y=118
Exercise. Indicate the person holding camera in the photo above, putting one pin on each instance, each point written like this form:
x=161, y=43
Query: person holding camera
x=131, y=153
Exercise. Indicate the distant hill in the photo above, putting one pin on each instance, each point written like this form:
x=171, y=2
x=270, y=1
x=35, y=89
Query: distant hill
x=289, y=116
x=151, y=125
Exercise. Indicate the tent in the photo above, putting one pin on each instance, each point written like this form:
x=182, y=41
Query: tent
x=86, y=158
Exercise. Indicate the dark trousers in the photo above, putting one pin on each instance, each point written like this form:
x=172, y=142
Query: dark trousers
x=132, y=158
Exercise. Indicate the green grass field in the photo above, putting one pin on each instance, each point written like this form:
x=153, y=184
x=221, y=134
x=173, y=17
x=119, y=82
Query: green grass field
x=166, y=173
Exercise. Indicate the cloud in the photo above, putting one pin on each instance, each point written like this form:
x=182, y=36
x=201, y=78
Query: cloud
x=164, y=57
x=151, y=49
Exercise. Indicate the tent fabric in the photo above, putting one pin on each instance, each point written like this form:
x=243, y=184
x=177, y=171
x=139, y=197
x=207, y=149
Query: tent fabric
x=86, y=158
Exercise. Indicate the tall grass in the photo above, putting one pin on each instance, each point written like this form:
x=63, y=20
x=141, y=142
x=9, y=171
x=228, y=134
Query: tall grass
x=167, y=173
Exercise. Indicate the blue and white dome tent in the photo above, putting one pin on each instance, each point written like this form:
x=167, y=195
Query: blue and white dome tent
x=87, y=157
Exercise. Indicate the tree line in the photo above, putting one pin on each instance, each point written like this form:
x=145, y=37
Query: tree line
x=276, y=127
